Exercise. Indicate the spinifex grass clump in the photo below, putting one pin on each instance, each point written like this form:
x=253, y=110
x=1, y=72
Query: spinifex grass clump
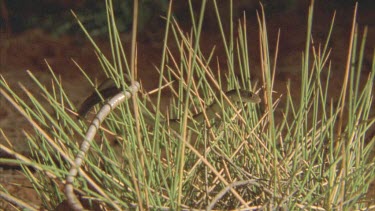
x=317, y=157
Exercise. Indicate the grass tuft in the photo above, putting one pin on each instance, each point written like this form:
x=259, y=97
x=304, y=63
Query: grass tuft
x=318, y=156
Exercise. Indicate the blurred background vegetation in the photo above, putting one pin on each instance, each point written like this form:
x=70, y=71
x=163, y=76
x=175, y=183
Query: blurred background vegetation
x=54, y=16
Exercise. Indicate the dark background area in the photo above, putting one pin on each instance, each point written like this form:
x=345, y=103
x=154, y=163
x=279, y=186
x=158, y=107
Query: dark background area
x=54, y=16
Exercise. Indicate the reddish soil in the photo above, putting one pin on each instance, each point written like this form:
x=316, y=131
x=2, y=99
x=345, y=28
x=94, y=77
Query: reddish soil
x=31, y=49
